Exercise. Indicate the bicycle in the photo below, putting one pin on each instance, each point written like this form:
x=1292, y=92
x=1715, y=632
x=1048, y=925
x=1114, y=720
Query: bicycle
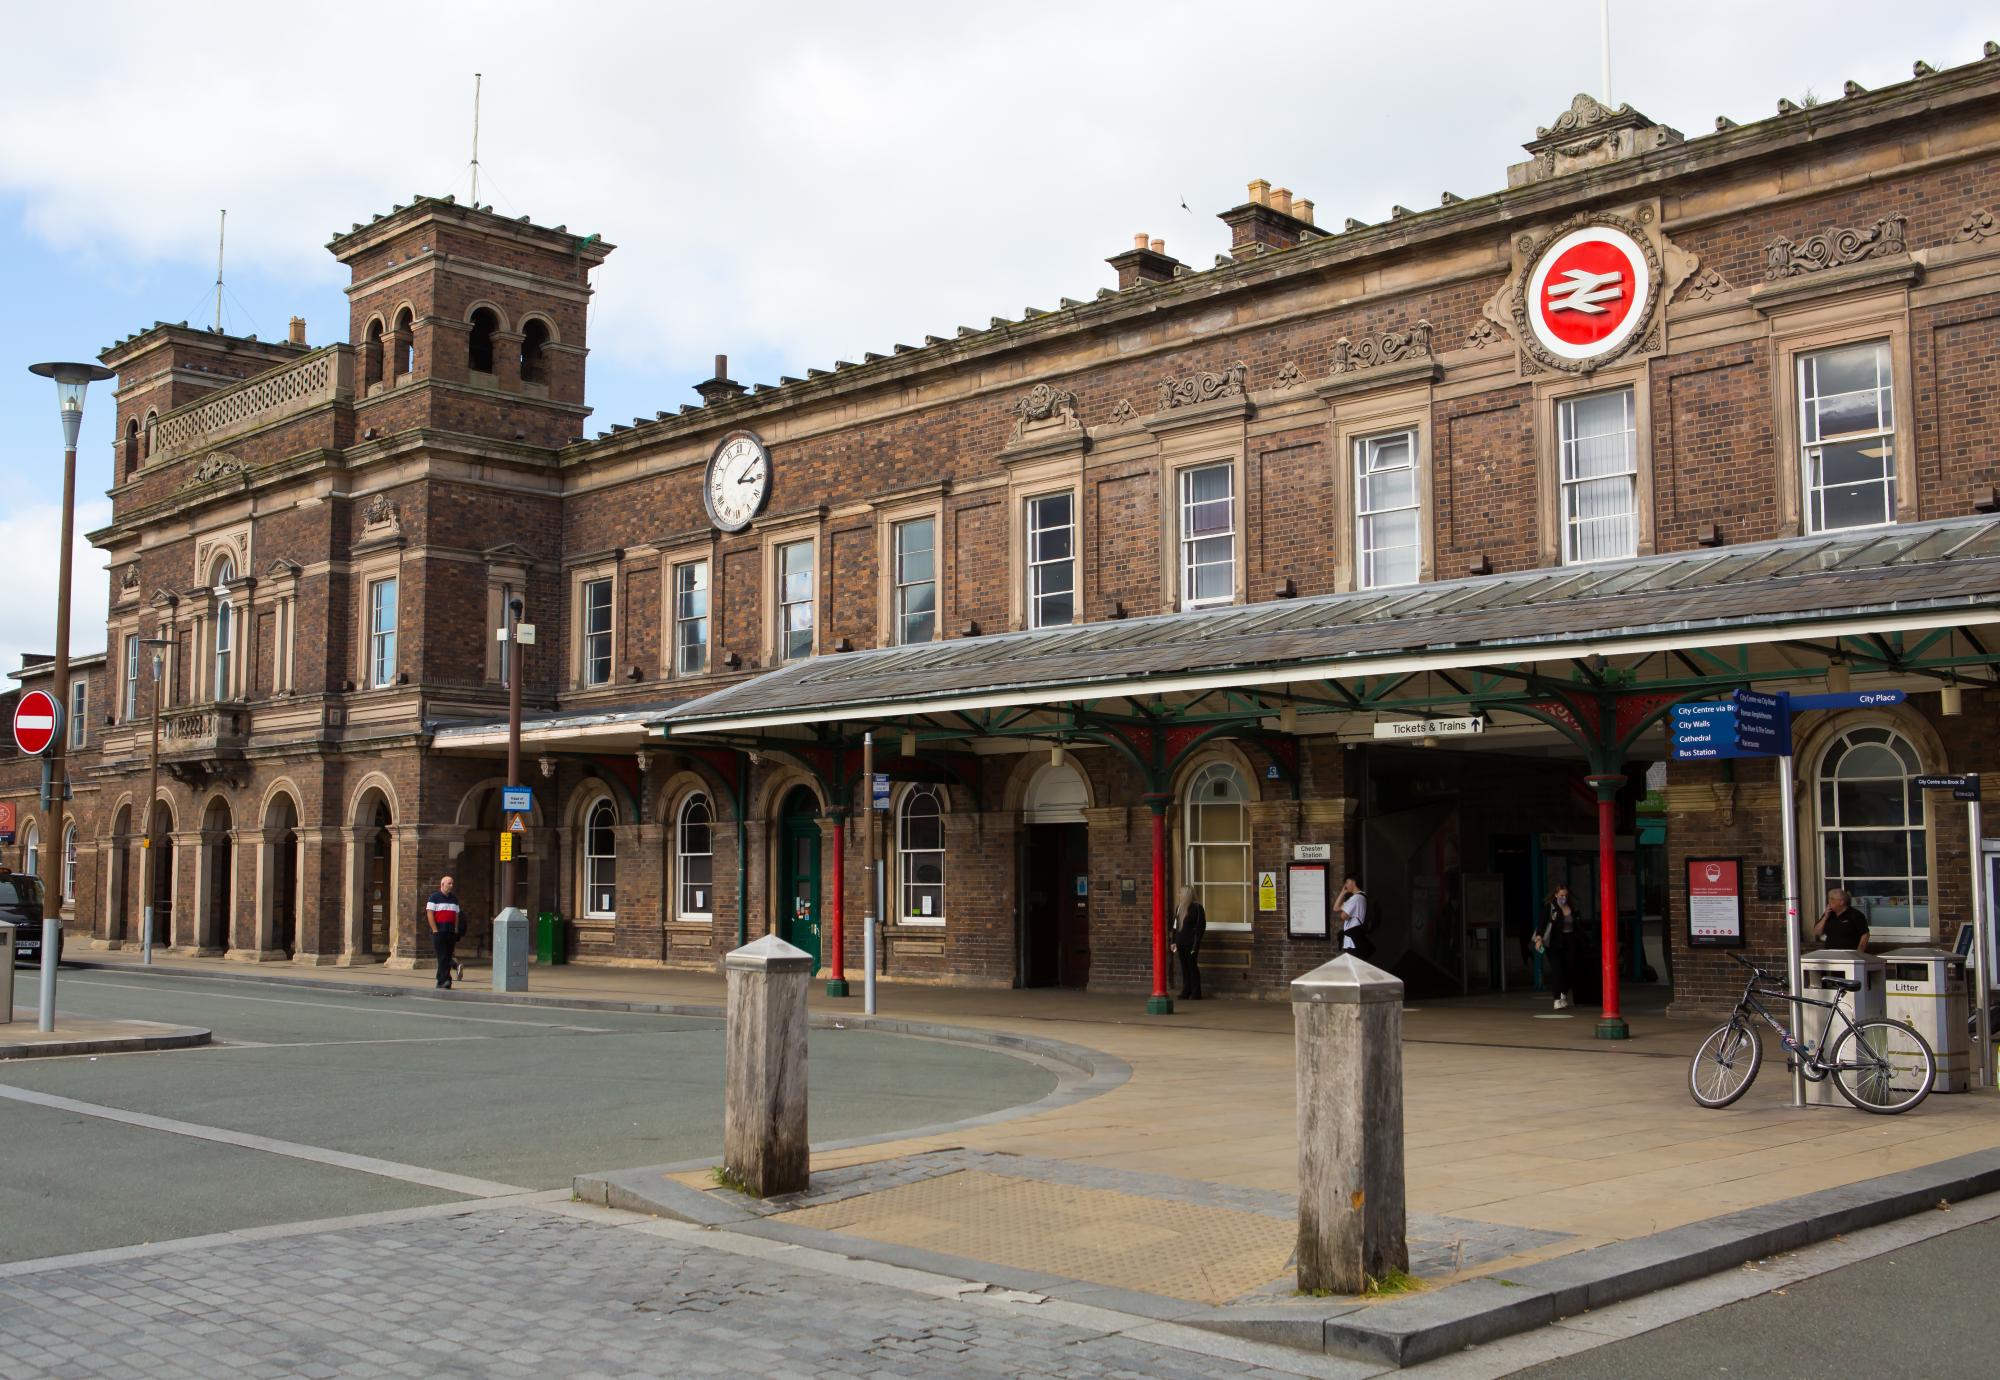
x=1885, y=1053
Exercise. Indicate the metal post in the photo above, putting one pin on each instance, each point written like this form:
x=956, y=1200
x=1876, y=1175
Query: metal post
x=152, y=804
x=1611, y=1023
x=873, y=908
x=1982, y=939
x=1159, y=1004
x=836, y=985
x=516, y=667
x=1788, y=811
x=52, y=858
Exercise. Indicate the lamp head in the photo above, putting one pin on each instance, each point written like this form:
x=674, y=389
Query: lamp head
x=71, y=382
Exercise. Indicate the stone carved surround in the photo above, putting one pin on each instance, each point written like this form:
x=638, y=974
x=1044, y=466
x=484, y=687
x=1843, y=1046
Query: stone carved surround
x=1387, y=348
x=1194, y=389
x=1978, y=226
x=1833, y=247
x=1045, y=404
x=1668, y=264
x=219, y=465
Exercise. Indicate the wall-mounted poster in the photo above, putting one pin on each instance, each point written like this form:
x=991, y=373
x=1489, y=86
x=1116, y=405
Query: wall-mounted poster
x=1715, y=903
x=1305, y=883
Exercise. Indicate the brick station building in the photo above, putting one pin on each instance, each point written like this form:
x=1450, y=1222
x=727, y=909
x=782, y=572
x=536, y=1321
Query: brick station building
x=1133, y=592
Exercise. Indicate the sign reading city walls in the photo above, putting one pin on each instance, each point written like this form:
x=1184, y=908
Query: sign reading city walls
x=1590, y=291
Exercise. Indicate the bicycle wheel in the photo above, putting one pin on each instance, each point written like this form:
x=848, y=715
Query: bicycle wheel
x=1726, y=1065
x=1888, y=1069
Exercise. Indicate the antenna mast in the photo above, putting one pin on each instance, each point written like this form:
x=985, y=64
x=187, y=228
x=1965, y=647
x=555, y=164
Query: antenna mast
x=1604, y=30
x=220, y=229
x=476, y=80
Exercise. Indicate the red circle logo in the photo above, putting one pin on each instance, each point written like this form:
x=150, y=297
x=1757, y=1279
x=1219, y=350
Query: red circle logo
x=34, y=722
x=1588, y=292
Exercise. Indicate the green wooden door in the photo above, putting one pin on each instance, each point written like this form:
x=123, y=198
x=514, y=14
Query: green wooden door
x=798, y=873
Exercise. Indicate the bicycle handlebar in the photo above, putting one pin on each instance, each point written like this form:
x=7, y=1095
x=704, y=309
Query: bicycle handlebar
x=1761, y=974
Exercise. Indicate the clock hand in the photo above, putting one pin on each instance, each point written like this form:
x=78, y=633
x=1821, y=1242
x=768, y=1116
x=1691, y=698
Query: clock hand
x=746, y=476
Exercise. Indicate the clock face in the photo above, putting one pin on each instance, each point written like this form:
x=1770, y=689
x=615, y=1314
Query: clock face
x=739, y=479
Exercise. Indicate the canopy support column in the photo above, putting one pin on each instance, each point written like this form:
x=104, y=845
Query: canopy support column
x=836, y=985
x=1611, y=1024
x=1159, y=1004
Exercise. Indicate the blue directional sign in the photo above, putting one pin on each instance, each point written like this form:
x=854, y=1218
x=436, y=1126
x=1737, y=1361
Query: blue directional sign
x=1703, y=731
x=516, y=800
x=1763, y=723
x=1851, y=699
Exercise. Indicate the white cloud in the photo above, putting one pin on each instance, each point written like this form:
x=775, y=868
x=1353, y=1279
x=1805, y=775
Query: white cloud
x=797, y=181
x=30, y=537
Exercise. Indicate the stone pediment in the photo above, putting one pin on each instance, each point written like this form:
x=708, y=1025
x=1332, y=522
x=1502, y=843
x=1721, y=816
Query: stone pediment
x=1587, y=135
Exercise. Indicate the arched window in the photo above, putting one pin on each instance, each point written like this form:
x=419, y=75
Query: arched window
x=146, y=437
x=69, y=863
x=920, y=856
x=1871, y=827
x=405, y=344
x=600, y=861
x=31, y=851
x=534, y=366
x=131, y=456
x=371, y=355
x=225, y=628
x=694, y=859
x=1218, y=843
x=479, y=345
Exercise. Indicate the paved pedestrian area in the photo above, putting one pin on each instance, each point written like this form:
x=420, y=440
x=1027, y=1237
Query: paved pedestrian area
x=535, y=1290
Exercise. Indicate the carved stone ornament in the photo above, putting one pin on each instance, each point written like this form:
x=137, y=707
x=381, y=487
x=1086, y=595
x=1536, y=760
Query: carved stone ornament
x=1045, y=405
x=1978, y=226
x=1587, y=135
x=1289, y=375
x=219, y=465
x=1483, y=334
x=129, y=581
x=1833, y=247
x=1123, y=412
x=1513, y=303
x=380, y=512
x=1203, y=387
x=1707, y=284
x=1387, y=348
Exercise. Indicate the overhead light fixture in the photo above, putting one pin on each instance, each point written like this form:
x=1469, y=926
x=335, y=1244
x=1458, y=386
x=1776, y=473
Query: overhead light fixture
x=1951, y=700
x=909, y=743
x=1288, y=719
x=1837, y=678
x=1056, y=755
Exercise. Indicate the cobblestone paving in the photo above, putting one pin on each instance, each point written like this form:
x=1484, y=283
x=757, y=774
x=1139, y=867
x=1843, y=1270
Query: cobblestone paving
x=524, y=1292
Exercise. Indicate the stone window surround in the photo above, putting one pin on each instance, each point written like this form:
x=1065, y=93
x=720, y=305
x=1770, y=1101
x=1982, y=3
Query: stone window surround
x=281, y=593
x=682, y=788
x=1825, y=324
x=1062, y=473
x=1379, y=414
x=671, y=559
x=384, y=563
x=592, y=799
x=609, y=567
x=1170, y=504
x=806, y=526
x=887, y=519
x=1549, y=393
x=894, y=850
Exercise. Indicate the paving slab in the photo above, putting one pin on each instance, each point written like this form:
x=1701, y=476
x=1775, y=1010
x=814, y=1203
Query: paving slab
x=21, y=1038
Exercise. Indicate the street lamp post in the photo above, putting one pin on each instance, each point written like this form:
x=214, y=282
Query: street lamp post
x=152, y=796
x=516, y=665
x=71, y=381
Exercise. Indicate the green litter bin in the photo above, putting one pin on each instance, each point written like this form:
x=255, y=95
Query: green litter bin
x=551, y=943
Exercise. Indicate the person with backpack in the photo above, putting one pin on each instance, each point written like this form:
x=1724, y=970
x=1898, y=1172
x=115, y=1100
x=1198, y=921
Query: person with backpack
x=443, y=913
x=1355, y=926
x=1555, y=940
x=1190, y=924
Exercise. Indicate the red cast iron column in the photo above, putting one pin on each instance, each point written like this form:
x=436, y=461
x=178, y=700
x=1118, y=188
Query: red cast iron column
x=1611, y=1024
x=1159, y=1004
x=836, y=985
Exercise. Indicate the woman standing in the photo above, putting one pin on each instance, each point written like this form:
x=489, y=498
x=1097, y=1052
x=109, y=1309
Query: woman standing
x=1190, y=924
x=1555, y=939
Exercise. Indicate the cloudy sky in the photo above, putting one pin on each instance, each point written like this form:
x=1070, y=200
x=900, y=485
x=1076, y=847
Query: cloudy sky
x=789, y=183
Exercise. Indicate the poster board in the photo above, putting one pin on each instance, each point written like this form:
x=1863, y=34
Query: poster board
x=1714, y=903
x=1305, y=884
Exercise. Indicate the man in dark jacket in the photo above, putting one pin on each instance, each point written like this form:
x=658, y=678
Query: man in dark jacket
x=1840, y=925
x=442, y=910
x=1190, y=924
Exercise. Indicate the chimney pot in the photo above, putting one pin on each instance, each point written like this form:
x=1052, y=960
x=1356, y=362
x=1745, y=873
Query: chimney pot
x=298, y=330
x=1139, y=241
x=1303, y=209
x=1159, y=246
x=1260, y=193
x=1281, y=200
x=722, y=366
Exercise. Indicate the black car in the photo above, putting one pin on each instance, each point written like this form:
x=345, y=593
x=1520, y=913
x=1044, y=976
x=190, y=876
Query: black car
x=21, y=905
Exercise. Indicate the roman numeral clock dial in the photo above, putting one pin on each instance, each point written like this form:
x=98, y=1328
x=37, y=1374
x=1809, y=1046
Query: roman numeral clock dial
x=739, y=480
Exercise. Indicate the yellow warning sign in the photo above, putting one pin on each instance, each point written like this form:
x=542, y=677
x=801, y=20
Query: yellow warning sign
x=507, y=847
x=1267, y=891
x=517, y=824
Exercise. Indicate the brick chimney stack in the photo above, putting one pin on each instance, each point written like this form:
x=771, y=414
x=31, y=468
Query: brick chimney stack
x=1146, y=261
x=721, y=388
x=298, y=336
x=1269, y=219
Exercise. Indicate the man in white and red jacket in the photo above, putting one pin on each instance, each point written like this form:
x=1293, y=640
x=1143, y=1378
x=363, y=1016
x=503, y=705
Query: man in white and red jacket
x=445, y=927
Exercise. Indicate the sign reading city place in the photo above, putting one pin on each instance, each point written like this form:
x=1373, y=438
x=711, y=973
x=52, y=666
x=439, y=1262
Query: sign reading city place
x=1430, y=728
x=36, y=718
x=1588, y=292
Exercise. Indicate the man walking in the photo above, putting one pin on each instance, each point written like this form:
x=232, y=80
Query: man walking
x=444, y=917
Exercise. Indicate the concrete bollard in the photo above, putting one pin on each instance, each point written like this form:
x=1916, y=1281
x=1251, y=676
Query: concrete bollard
x=1347, y=1019
x=764, y=1105
x=6, y=972
x=510, y=950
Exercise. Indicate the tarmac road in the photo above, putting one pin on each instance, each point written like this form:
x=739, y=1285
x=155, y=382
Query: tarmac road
x=407, y=1087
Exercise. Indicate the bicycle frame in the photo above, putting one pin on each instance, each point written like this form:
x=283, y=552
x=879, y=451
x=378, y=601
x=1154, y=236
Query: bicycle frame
x=1815, y=1059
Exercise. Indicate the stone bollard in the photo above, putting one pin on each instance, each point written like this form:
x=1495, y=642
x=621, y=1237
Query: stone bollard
x=510, y=950
x=1347, y=1019
x=764, y=1106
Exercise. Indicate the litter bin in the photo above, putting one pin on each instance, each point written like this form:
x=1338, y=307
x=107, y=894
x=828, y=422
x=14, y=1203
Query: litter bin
x=551, y=939
x=1866, y=1004
x=1926, y=987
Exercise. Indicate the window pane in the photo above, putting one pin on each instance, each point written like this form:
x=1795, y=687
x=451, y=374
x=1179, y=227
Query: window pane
x=1057, y=610
x=1849, y=369
x=1854, y=505
x=1207, y=485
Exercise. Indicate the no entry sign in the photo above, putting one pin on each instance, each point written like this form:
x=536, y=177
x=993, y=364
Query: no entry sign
x=1588, y=292
x=35, y=722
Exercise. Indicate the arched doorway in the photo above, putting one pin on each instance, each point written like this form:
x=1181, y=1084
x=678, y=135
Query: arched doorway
x=218, y=891
x=281, y=894
x=798, y=871
x=378, y=851
x=1055, y=879
x=118, y=880
x=159, y=870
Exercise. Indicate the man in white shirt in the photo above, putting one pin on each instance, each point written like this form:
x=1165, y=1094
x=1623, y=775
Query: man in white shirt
x=443, y=912
x=1353, y=918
